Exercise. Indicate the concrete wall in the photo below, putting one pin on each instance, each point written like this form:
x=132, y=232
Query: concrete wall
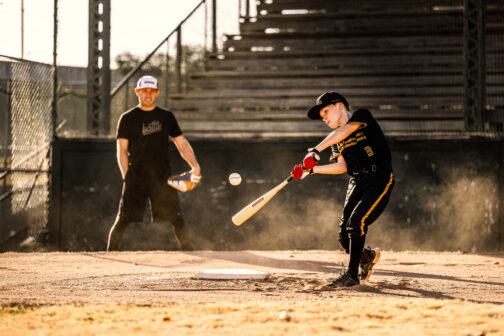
x=447, y=197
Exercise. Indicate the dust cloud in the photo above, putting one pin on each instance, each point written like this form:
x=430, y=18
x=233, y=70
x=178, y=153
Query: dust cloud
x=457, y=214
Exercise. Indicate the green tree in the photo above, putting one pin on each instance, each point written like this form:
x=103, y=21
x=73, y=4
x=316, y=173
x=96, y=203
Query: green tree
x=126, y=62
x=193, y=60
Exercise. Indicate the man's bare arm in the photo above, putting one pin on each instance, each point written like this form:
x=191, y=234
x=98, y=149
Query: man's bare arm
x=187, y=153
x=122, y=156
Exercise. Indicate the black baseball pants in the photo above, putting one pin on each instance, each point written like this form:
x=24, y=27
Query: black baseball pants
x=366, y=198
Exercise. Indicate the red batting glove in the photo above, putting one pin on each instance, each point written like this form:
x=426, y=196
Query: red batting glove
x=297, y=172
x=311, y=159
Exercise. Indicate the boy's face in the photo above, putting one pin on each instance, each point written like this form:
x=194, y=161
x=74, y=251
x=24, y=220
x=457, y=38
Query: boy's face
x=331, y=114
x=147, y=96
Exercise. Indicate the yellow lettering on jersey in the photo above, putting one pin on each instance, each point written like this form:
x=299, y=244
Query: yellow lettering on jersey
x=350, y=142
x=369, y=151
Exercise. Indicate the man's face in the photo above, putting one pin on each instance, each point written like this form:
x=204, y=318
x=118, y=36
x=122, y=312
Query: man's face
x=147, y=96
x=331, y=114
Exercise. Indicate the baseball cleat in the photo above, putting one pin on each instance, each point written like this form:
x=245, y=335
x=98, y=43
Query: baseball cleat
x=345, y=280
x=369, y=258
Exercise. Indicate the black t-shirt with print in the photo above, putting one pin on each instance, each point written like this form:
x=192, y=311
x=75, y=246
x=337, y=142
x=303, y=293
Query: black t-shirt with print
x=366, y=146
x=148, y=135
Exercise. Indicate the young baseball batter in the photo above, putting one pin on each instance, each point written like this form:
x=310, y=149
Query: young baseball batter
x=143, y=142
x=359, y=149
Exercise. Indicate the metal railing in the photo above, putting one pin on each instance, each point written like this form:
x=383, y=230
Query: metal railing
x=178, y=32
x=184, y=51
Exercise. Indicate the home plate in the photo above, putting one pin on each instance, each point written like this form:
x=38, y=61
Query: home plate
x=230, y=274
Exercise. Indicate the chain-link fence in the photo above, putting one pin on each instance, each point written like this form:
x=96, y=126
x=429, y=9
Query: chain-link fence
x=28, y=121
x=26, y=107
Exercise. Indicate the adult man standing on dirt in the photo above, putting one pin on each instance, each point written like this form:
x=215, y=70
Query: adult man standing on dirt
x=143, y=156
x=361, y=151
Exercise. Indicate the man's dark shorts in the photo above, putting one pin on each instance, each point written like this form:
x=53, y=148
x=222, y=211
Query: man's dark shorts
x=140, y=185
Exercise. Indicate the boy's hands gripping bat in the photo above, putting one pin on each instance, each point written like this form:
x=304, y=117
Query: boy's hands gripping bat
x=300, y=172
x=311, y=159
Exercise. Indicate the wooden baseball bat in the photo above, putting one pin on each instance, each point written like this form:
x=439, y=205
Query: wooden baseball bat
x=257, y=205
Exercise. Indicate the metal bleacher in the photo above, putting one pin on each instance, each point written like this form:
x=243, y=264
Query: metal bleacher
x=403, y=60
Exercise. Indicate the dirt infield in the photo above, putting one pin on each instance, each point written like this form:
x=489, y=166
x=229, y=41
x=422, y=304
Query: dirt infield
x=425, y=293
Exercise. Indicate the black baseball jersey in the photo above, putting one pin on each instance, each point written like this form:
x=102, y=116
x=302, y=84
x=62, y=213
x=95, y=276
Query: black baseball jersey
x=366, y=146
x=148, y=135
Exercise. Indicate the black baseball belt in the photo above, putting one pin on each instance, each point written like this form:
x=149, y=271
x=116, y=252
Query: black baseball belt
x=371, y=169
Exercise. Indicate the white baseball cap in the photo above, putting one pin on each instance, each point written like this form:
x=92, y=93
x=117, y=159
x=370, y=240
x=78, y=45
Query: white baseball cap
x=147, y=82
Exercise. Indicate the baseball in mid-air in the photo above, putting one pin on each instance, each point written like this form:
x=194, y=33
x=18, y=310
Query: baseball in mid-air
x=235, y=179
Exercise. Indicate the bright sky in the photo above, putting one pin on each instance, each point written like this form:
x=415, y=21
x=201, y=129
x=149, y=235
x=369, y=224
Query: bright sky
x=136, y=26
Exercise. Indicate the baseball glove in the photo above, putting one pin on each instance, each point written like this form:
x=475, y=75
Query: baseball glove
x=184, y=182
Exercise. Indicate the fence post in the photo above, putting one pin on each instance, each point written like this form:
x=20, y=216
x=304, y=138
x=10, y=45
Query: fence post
x=55, y=192
x=205, y=34
x=178, y=61
x=126, y=96
x=54, y=103
x=167, y=73
x=214, y=26
x=7, y=134
x=8, y=116
x=500, y=214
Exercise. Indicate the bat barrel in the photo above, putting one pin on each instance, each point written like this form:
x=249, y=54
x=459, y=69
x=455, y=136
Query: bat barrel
x=255, y=206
